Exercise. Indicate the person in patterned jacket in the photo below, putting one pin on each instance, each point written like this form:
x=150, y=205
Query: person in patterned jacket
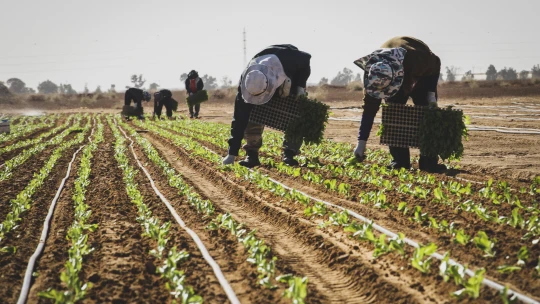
x=403, y=67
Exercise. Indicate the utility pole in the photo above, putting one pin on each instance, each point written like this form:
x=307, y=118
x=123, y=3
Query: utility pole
x=245, y=49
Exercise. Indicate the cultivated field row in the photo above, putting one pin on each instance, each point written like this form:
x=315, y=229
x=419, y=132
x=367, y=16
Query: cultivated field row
x=153, y=216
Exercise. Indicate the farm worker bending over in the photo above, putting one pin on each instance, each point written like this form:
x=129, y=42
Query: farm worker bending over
x=163, y=98
x=137, y=96
x=193, y=85
x=278, y=69
x=404, y=67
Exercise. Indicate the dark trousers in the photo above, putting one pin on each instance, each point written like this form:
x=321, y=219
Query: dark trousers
x=197, y=109
x=419, y=97
x=158, y=107
x=128, y=99
x=241, y=128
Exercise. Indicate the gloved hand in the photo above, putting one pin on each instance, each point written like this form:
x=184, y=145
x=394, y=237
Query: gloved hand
x=432, y=99
x=229, y=159
x=300, y=91
x=360, y=150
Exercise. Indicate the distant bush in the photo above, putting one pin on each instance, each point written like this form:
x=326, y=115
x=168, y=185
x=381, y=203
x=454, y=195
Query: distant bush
x=355, y=86
x=36, y=98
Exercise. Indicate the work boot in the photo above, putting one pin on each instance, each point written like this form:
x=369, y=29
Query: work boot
x=252, y=160
x=288, y=158
x=191, y=115
x=430, y=164
x=400, y=158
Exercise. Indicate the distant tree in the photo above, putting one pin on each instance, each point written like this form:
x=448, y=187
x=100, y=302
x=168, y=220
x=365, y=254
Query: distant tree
x=112, y=89
x=343, y=78
x=183, y=77
x=86, y=90
x=47, y=87
x=210, y=83
x=17, y=86
x=468, y=76
x=507, y=74
x=137, y=81
x=441, y=77
x=491, y=73
x=226, y=82
x=358, y=77
x=535, y=71
x=524, y=75
x=4, y=91
x=153, y=86
x=323, y=81
x=98, y=90
x=66, y=89
x=451, y=73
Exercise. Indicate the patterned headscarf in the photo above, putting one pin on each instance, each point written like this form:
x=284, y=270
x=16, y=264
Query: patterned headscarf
x=383, y=72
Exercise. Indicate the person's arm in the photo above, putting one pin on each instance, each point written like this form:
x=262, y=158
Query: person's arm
x=300, y=77
x=242, y=111
x=371, y=107
x=200, y=85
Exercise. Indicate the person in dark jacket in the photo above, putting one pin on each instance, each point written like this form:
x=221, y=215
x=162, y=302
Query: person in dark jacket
x=404, y=67
x=163, y=98
x=194, y=84
x=278, y=69
x=136, y=96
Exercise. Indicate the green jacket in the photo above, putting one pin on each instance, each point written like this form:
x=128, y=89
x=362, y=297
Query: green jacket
x=419, y=60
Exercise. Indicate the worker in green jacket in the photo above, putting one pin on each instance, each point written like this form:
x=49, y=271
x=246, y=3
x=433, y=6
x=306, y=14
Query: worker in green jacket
x=403, y=67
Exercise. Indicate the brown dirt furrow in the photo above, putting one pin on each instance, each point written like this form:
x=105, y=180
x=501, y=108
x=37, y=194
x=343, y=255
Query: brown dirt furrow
x=51, y=263
x=334, y=267
x=120, y=268
x=26, y=236
x=222, y=246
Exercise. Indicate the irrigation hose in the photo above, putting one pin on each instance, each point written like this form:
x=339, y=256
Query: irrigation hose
x=487, y=282
x=44, y=233
x=206, y=255
x=30, y=268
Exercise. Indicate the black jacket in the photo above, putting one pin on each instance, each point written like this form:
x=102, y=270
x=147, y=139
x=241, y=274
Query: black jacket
x=136, y=95
x=295, y=63
x=200, y=85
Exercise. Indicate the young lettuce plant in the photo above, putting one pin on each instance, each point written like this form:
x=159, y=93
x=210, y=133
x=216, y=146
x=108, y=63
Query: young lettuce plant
x=482, y=242
x=421, y=258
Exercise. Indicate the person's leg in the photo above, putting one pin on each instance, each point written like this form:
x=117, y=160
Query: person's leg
x=190, y=111
x=253, y=137
x=290, y=150
x=197, y=109
x=400, y=156
x=127, y=99
x=420, y=98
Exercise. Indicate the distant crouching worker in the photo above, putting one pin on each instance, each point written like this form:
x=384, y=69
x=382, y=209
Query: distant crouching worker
x=278, y=69
x=193, y=85
x=163, y=98
x=137, y=96
x=404, y=67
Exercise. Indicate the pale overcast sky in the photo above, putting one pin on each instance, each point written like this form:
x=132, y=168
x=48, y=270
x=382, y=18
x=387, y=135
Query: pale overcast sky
x=102, y=42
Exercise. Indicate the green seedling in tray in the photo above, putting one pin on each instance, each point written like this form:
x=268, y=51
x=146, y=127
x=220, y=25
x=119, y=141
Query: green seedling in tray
x=199, y=97
x=311, y=124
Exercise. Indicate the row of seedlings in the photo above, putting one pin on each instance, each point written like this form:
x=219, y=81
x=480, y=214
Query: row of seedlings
x=23, y=201
x=420, y=258
x=259, y=253
x=153, y=229
x=77, y=234
x=6, y=170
